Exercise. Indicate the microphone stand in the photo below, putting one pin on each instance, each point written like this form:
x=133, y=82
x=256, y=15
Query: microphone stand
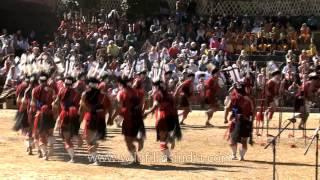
x=315, y=137
x=280, y=114
x=273, y=142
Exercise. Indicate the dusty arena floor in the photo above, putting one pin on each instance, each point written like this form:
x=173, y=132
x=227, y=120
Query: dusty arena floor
x=202, y=154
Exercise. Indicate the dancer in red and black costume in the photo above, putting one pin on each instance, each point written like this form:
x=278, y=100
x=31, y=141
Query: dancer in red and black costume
x=272, y=95
x=211, y=89
x=240, y=128
x=94, y=106
x=261, y=93
x=104, y=84
x=80, y=86
x=306, y=94
x=248, y=85
x=133, y=126
x=57, y=85
x=21, y=115
x=167, y=78
x=24, y=116
x=68, y=121
x=139, y=89
x=167, y=120
x=44, y=122
x=59, y=82
x=185, y=92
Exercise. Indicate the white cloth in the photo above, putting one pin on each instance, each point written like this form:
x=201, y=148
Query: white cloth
x=6, y=41
x=155, y=69
x=140, y=66
x=12, y=76
x=153, y=56
x=193, y=67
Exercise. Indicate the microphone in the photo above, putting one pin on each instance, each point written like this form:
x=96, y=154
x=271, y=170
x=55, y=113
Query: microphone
x=314, y=136
x=293, y=120
x=316, y=131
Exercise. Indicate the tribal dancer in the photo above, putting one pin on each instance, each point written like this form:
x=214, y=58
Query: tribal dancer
x=240, y=128
x=167, y=120
x=24, y=115
x=167, y=78
x=57, y=85
x=94, y=106
x=80, y=85
x=21, y=116
x=185, y=92
x=138, y=87
x=68, y=121
x=133, y=126
x=211, y=89
x=272, y=95
x=304, y=97
x=104, y=84
x=261, y=93
x=42, y=98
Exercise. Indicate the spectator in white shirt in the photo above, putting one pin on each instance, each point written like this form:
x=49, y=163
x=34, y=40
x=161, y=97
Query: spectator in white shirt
x=153, y=54
x=289, y=68
x=192, y=66
x=219, y=58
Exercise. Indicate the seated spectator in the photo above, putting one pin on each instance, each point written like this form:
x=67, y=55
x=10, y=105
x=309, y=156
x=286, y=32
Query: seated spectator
x=223, y=44
x=203, y=49
x=7, y=43
x=316, y=58
x=214, y=42
x=153, y=54
x=118, y=38
x=203, y=63
x=193, y=51
x=112, y=49
x=174, y=50
x=303, y=57
x=219, y=58
x=201, y=34
x=273, y=41
x=164, y=55
x=312, y=49
x=292, y=38
x=304, y=68
x=305, y=33
x=282, y=43
x=253, y=44
x=262, y=42
x=131, y=38
x=288, y=68
x=291, y=56
x=192, y=66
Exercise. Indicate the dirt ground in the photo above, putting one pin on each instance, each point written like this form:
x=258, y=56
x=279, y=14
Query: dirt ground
x=202, y=154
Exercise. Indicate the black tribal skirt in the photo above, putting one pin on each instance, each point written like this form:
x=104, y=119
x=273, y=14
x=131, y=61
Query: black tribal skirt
x=21, y=121
x=184, y=101
x=242, y=129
